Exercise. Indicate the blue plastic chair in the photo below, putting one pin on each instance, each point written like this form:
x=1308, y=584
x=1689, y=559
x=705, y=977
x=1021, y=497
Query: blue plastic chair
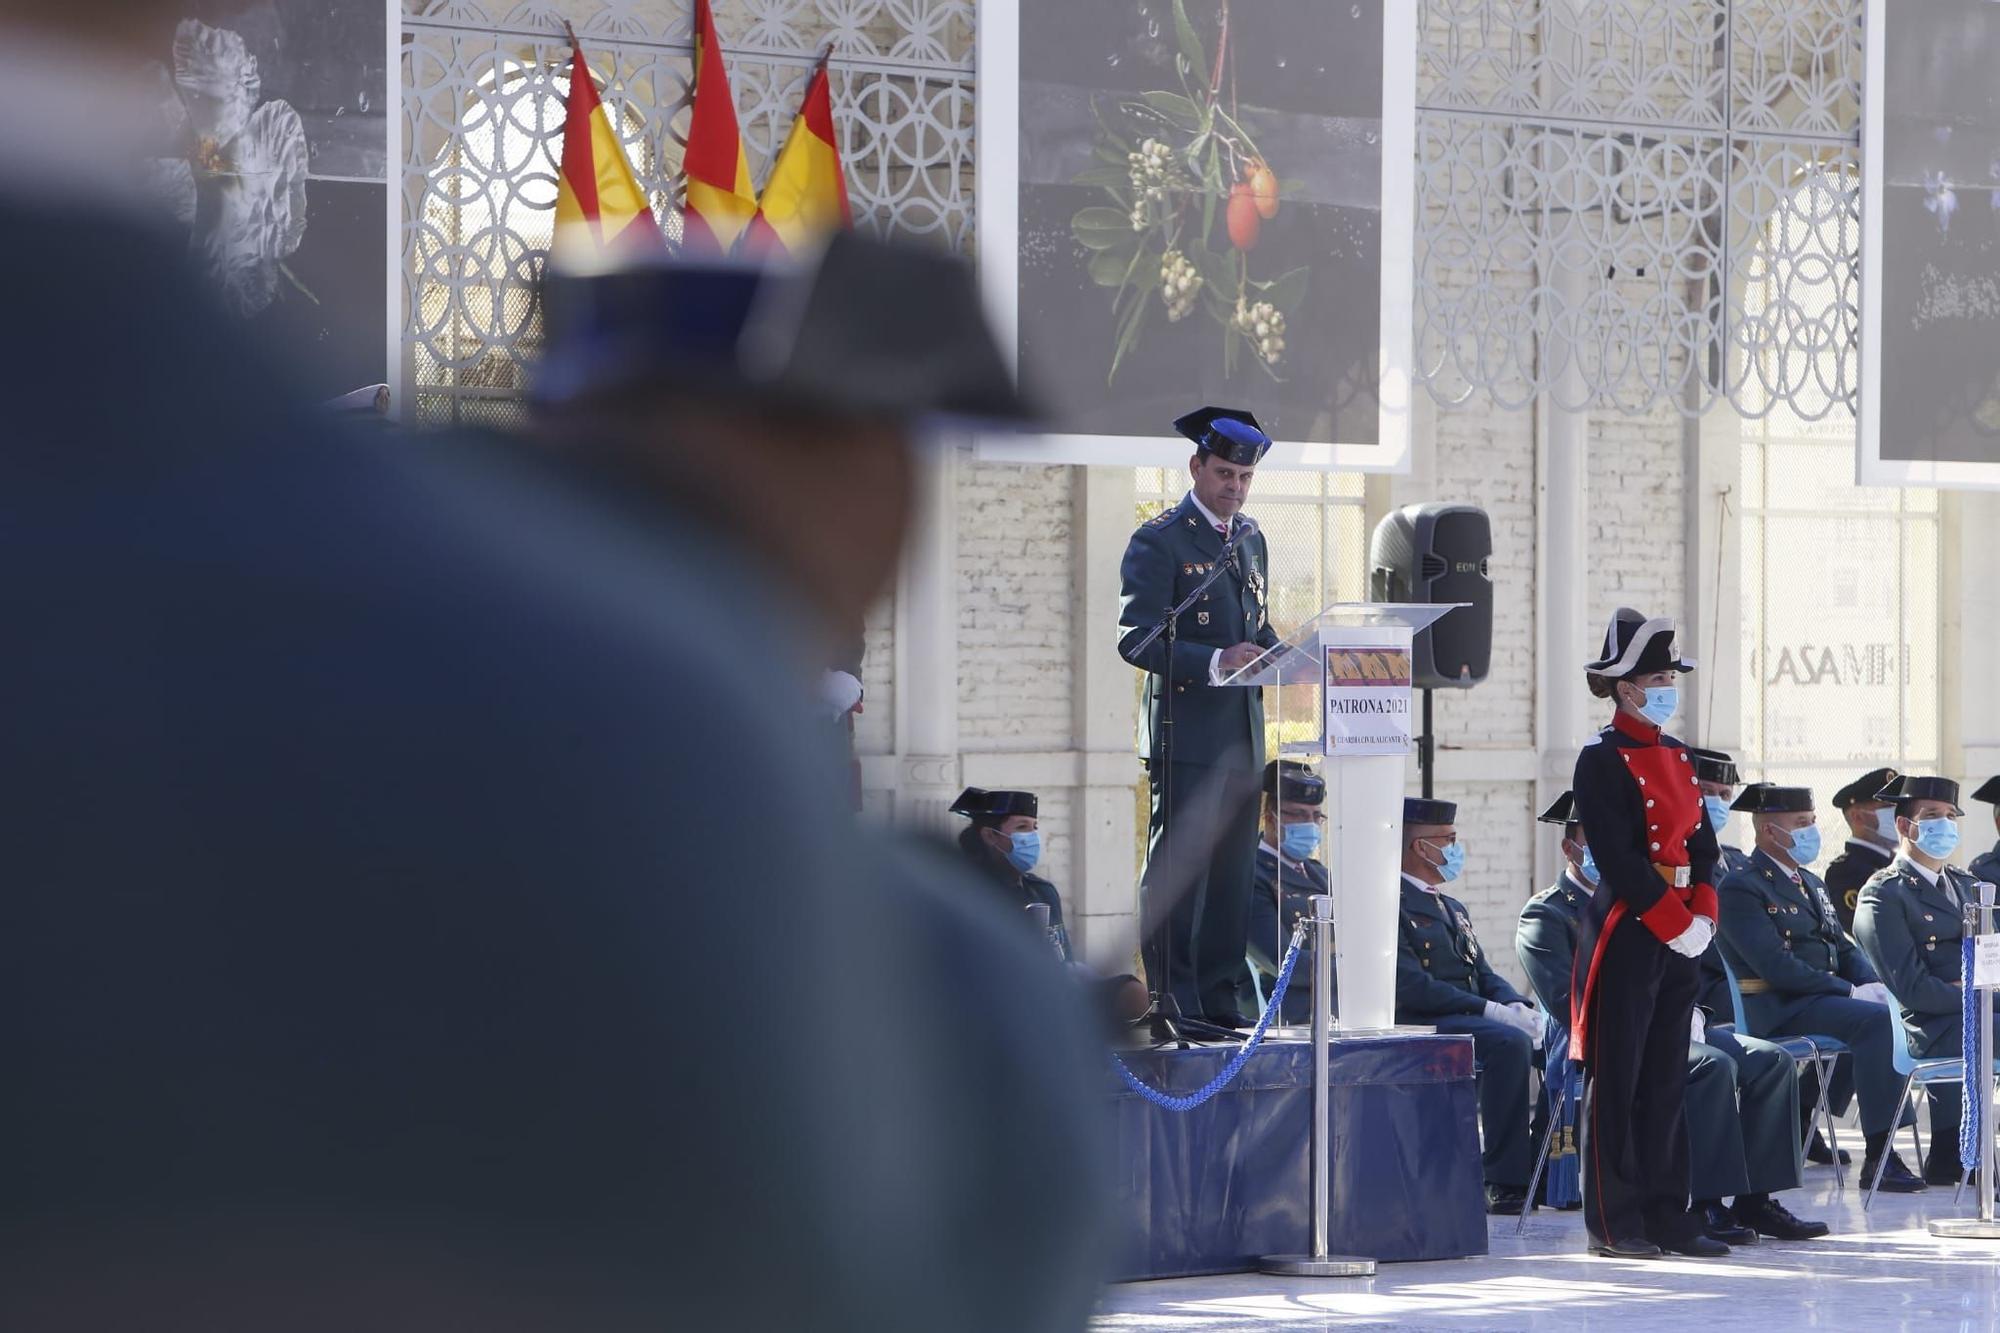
x=1821, y=1052
x=1919, y=1072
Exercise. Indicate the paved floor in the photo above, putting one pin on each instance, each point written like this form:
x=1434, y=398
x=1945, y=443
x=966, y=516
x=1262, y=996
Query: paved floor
x=1879, y=1270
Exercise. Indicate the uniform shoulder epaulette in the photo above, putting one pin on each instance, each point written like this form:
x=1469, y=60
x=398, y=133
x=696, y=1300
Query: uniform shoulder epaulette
x=1159, y=520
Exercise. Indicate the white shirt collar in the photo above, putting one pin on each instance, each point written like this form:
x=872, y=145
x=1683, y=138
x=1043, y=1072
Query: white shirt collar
x=1576, y=883
x=1213, y=521
x=1266, y=846
x=1870, y=845
x=1910, y=862
x=1415, y=883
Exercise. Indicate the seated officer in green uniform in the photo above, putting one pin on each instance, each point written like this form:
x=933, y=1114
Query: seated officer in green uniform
x=1716, y=772
x=1004, y=842
x=1742, y=1092
x=1802, y=976
x=1294, y=821
x=1909, y=924
x=1871, y=841
x=1986, y=865
x=1443, y=978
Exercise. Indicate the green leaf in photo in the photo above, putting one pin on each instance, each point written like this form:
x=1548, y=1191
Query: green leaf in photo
x=1100, y=228
x=1113, y=268
x=1287, y=289
x=1177, y=110
x=1190, y=41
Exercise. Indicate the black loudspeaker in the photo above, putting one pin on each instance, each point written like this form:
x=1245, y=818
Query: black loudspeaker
x=1438, y=553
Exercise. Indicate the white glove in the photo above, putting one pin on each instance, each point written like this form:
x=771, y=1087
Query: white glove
x=1517, y=1016
x=1694, y=941
x=1697, y=1026
x=1874, y=992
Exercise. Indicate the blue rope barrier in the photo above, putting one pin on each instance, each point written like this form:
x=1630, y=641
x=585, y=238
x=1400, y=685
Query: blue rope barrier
x=1229, y=1072
x=1968, y=1123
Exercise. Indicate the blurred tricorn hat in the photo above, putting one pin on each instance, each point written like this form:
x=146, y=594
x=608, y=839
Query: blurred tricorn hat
x=864, y=328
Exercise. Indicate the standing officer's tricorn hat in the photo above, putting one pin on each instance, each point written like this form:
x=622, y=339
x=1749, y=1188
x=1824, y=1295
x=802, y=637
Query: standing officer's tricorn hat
x=1231, y=435
x=1636, y=646
x=1989, y=792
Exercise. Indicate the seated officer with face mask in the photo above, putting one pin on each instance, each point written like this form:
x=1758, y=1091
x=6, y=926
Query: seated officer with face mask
x=1443, y=978
x=1004, y=842
x=1801, y=975
x=1909, y=921
x=1294, y=820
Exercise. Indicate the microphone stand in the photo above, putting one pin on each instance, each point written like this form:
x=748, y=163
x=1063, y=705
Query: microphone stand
x=1176, y=1023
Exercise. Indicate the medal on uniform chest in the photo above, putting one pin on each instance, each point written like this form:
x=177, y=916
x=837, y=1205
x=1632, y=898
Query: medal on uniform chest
x=1256, y=581
x=1201, y=617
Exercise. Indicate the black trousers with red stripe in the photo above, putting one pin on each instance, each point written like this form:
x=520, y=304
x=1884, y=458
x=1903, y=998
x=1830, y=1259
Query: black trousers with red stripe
x=1634, y=1145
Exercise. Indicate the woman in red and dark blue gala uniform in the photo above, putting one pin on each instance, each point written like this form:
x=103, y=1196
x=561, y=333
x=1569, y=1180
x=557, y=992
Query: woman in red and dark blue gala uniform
x=1652, y=915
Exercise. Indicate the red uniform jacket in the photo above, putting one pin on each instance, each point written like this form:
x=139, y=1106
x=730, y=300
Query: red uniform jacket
x=1640, y=805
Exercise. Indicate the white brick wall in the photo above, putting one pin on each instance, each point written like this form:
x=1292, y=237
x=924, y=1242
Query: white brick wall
x=1486, y=457
x=1015, y=595
x=1637, y=524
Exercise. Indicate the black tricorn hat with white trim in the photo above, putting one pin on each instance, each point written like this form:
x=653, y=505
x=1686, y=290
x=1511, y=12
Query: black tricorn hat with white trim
x=1636, y=646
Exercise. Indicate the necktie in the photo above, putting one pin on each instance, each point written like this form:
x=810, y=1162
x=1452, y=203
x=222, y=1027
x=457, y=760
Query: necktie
x=1223, y=528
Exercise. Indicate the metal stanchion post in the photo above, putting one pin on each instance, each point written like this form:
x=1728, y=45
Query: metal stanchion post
x=1319, y=1263
x=1979, y=921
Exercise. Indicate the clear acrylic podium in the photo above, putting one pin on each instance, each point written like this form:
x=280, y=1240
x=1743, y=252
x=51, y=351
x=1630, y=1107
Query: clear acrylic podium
x=1356, y=657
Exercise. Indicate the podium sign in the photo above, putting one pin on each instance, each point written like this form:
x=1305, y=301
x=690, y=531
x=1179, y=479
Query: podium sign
x=1358, y=655
x=1367, y=690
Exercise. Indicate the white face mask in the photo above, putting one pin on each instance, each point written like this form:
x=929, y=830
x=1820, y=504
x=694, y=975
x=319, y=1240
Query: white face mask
x=1885, y=824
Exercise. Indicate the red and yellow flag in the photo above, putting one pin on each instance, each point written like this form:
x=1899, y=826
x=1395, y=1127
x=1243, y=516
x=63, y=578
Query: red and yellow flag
x=806, y=193
x=600, y=210
x=720, y=201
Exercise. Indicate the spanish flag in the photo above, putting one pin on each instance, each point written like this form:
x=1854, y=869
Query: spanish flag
x=807, y=190
x=720, y=201
x=600, y=209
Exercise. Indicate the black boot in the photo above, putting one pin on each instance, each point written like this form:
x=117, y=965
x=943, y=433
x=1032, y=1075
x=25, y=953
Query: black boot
x=1941, y=1164
x=1896, y=1178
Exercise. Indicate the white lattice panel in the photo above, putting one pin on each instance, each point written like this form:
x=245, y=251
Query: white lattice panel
x=1598, y=180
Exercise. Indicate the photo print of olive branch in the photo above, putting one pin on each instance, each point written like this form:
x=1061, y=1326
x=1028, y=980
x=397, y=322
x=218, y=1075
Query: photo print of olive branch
x=1175, y=163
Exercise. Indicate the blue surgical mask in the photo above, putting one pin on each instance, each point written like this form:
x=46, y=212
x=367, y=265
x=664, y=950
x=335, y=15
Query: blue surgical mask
x=1718, y=813
x=1937, y=837
x=1885, y=824
x=1300, y=841
x=1662, y=702
x=1026, y=851
x=1588, y=869
x=1454, y=861
x=1805, y=845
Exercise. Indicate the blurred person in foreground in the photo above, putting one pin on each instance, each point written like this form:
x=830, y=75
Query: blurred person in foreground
x=378, y=904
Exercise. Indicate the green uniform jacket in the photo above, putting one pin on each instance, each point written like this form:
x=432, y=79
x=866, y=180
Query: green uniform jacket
x=1167, y=558
x=1910, y=929
x=1784, y=942
x=1441, y=972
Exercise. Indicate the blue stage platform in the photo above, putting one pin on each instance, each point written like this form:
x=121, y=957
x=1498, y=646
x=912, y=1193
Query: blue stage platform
x=1214, y=1189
